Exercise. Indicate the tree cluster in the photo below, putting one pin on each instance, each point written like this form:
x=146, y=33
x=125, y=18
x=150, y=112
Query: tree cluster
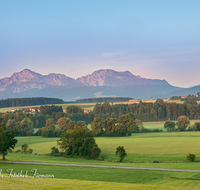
x=79, y=142
x=21, y=128
x=123, y=126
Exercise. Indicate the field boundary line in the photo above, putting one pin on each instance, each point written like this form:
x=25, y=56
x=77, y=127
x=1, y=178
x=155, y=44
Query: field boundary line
x=101, y=166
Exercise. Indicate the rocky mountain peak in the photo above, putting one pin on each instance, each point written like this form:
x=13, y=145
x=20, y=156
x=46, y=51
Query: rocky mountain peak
x=24, y=75
x=108, y=77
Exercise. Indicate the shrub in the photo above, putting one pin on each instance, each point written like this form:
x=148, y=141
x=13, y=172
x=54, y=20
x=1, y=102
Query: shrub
x=95, y=151
x=24, y=147
x=30, y=151
x=54, y=150
x=156, y=161
x=102, y=158
x=191, y=157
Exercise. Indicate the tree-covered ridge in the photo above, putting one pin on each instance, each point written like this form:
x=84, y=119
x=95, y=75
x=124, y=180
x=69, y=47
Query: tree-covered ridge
x=104, y=99
x=16, y=102
x=158, y=111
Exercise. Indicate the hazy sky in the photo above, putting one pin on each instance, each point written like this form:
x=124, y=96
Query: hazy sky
x=151, y=38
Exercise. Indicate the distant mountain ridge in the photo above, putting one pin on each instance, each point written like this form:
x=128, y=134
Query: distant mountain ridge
x=27, y=79
x=101, y=83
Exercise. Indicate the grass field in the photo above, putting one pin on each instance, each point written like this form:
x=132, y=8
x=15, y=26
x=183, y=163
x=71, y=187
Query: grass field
x=138, y=143
x=98, y=178
x=40, y=184
x=169, y=148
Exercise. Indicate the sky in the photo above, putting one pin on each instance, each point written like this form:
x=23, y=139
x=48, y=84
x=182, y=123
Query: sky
x=157, y=39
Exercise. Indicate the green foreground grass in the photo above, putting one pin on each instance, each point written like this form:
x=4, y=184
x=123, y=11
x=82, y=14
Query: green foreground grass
x=40, y=184
x=97, y=178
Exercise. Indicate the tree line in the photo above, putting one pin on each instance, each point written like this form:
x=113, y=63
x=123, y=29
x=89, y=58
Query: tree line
x=16, y=102
x=103, y=99
x=158, y=111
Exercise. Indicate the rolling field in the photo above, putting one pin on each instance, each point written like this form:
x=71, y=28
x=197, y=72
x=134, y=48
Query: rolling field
x=138, y=143
x=169, y=148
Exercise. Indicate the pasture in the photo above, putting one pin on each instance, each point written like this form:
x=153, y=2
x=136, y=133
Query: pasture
x=169, y=148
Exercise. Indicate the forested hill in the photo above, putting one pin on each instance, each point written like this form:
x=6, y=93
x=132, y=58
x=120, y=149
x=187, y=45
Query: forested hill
x=103, y=99
x=15, y=102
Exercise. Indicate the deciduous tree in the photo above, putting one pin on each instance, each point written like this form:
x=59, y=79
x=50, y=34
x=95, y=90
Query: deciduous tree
x=79, y=142
x=182, y=123
x=50, y=124
x=169, y=125
x=7, y=140
x=121, y=152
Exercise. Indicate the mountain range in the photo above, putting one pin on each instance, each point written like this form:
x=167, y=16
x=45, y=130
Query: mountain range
x=104, y=82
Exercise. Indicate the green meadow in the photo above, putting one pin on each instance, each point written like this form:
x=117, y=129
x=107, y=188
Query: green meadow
x=67, y=177
x=169, y=148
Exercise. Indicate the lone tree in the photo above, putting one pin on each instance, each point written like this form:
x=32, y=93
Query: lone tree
x=182, y=123
x=169, y=125
x=7, y=140
x=121, y=152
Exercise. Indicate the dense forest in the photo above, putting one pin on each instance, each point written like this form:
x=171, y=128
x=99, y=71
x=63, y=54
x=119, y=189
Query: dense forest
x=16, y=102
x=158, y=111
x=103, y=99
